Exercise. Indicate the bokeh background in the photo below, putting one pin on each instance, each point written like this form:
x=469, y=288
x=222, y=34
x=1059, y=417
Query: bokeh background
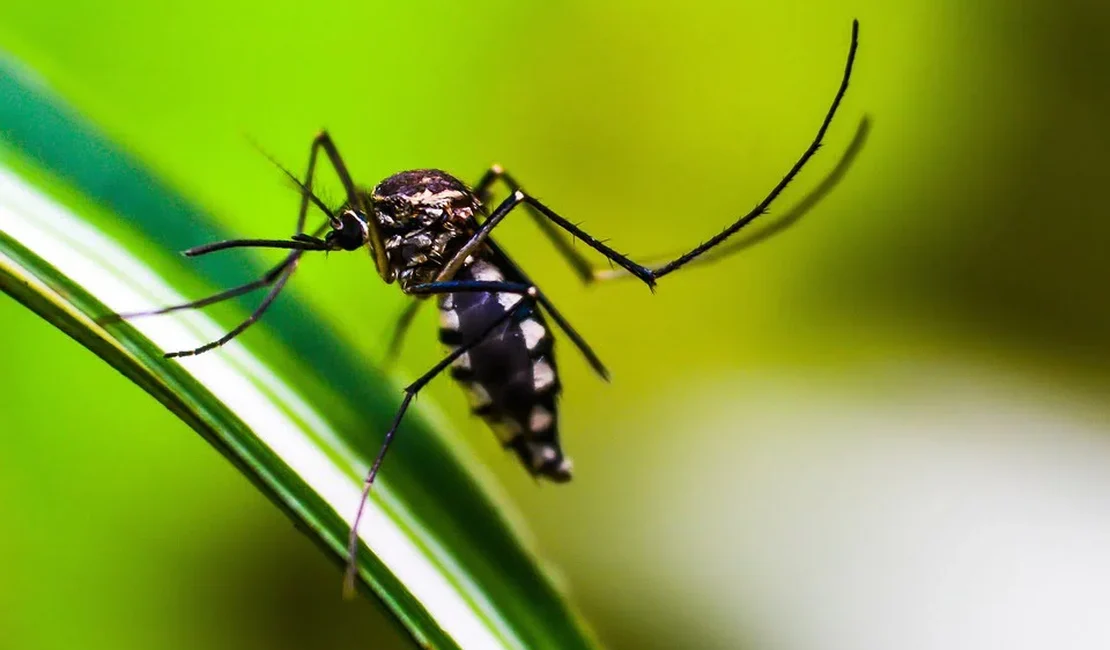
x=886, y=428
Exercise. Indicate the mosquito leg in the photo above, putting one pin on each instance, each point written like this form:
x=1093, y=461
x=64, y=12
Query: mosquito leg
x=577, y=261
x=785, y=221
x=649, y=275
x=282, y=278
x=481, y=236
x=278, y=275
x=354, y=197
x=410, y=392
x=264, y=281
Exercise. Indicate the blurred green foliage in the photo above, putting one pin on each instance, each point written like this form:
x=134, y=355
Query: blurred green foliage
x=970, y=227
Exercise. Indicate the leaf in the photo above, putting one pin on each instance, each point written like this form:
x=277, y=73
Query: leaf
x=440, y=552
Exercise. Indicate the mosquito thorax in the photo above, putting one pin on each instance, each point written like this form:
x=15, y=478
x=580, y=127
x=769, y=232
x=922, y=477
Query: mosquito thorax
x=424, y=217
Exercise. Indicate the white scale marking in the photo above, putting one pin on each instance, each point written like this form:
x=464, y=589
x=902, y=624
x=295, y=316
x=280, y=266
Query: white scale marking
x=533, y=332
x=540, y=419
x=486, y=272
x=462, y=362
x=479, y=395
x=449, y=319
x=543, y=375
x=541, y=454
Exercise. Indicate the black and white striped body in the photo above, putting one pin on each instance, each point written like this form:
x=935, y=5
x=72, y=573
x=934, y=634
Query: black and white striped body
x=425, y=216
x=510, y=376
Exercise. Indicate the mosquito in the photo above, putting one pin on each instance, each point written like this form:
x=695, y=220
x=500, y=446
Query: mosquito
x=431, y=234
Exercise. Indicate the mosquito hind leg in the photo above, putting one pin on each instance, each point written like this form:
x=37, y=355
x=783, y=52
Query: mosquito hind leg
x=647, y=274
x=589, y=274
x=786, y=220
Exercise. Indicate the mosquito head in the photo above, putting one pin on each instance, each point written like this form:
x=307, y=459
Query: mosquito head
x=349, y=231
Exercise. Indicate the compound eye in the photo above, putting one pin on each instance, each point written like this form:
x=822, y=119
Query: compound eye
x=346, y=219
x=350, y=232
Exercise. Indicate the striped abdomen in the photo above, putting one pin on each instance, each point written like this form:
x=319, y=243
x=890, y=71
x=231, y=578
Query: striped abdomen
x=510, y=375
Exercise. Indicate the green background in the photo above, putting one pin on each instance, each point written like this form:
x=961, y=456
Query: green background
x=970, y=233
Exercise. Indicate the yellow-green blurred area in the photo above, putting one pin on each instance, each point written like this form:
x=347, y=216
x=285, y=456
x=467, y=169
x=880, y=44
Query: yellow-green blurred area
x=885, y=428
